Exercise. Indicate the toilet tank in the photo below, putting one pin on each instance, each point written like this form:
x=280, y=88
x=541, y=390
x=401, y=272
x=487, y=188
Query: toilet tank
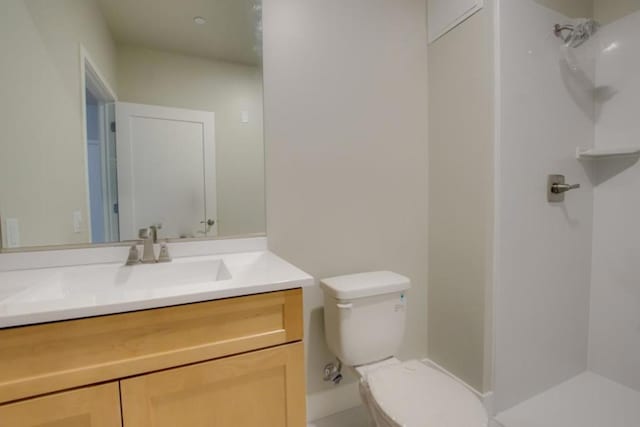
x=364, y=315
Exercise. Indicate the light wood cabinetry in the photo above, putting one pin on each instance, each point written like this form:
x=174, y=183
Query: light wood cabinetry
x=97, y=406
x=234, y=362
x=263, y=388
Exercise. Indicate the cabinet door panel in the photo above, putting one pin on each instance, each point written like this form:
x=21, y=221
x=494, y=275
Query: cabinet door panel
x=97, y=406
x=263, y=388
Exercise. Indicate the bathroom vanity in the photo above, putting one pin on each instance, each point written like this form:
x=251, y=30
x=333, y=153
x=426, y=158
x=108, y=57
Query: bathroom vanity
x=223, y=352
x=147, y=124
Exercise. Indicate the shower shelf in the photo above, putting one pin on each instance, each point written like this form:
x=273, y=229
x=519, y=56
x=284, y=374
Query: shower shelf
x=606, y=153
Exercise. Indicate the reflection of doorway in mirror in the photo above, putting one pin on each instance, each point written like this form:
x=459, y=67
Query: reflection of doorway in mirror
x=166, y=171
x=99, y=118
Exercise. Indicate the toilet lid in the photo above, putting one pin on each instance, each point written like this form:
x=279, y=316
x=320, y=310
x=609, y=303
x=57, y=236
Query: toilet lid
x=415, y=395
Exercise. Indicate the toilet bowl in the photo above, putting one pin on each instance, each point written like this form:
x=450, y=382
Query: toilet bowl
x=364, y=324
x=413, y=394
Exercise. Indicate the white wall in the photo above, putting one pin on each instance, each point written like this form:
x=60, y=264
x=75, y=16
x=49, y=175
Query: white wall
x=162, y=78
x=461, y=199
x=42, y=164
x=543, y=250
x=607, y=11
x=614, y=340
x=346, y=135
x=571, y=8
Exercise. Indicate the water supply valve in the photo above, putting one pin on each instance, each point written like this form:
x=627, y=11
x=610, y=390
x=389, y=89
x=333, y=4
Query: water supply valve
x=333, y=372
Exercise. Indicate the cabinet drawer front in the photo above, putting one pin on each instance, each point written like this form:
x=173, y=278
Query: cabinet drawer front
x=51, y=357
x=97, y=406
x=264, y=388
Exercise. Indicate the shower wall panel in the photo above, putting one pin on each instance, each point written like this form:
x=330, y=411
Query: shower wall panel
x=543, y=250
x=614, y=341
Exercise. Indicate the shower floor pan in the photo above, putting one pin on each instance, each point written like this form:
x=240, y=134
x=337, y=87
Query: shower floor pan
x=587, y=400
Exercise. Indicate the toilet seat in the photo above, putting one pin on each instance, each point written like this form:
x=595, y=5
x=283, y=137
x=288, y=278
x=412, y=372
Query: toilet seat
x=411, y=394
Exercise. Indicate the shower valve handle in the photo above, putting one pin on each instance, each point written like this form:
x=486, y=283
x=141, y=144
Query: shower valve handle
x=556, y=188
x=563, y=188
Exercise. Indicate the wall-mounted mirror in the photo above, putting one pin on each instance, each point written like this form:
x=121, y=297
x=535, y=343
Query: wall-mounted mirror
x=116, y=115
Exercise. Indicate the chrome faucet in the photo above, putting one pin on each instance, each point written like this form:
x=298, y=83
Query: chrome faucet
x=149, y=236
x=154, y=231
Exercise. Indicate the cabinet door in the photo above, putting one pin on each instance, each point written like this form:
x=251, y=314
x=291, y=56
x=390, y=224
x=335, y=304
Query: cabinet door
x=97, y=406
x=264, y=388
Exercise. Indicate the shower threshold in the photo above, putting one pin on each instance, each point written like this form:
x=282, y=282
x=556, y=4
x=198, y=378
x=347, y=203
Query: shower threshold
x=587, y=400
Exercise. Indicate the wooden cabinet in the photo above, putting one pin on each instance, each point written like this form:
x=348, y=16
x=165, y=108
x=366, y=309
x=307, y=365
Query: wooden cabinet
x=97, y=406
x=41, y=359
x=235, y=362
x=263, y=388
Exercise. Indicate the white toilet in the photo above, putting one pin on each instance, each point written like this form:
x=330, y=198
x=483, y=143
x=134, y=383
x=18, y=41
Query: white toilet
x=364, y=325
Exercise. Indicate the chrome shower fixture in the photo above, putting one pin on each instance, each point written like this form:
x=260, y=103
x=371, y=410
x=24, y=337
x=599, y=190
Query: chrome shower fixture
x=573, y=35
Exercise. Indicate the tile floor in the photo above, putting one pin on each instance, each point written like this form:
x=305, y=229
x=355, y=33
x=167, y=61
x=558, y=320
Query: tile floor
x=356, y=417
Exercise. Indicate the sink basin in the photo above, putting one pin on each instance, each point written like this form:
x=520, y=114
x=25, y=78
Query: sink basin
x=176, y=273
x=105, y=279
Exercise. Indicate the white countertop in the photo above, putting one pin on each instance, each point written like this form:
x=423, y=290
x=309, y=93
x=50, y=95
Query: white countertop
x=51, y=294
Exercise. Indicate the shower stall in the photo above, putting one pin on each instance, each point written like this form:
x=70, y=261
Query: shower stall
x=567, y=274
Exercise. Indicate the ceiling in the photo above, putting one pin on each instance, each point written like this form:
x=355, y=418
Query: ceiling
x=228, y=35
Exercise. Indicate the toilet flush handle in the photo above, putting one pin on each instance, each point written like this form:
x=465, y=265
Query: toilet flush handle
x=345, y=306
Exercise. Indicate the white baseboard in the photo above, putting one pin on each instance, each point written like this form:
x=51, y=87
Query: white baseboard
x=486, y=398
x=331, y=401
x=487, y=401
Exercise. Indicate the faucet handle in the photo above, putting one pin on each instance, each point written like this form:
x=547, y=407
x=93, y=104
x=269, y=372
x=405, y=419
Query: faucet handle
x=133, y=258
x=164, y=253
x=143, y=233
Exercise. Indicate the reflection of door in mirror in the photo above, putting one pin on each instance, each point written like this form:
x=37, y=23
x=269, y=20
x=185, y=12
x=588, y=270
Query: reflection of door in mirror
x=166, y=170
x=99, y=115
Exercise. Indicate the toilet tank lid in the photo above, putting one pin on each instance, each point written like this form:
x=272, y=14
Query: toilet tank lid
x=363, y=285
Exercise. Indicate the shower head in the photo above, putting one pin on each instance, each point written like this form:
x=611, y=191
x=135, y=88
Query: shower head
x=573, y=35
